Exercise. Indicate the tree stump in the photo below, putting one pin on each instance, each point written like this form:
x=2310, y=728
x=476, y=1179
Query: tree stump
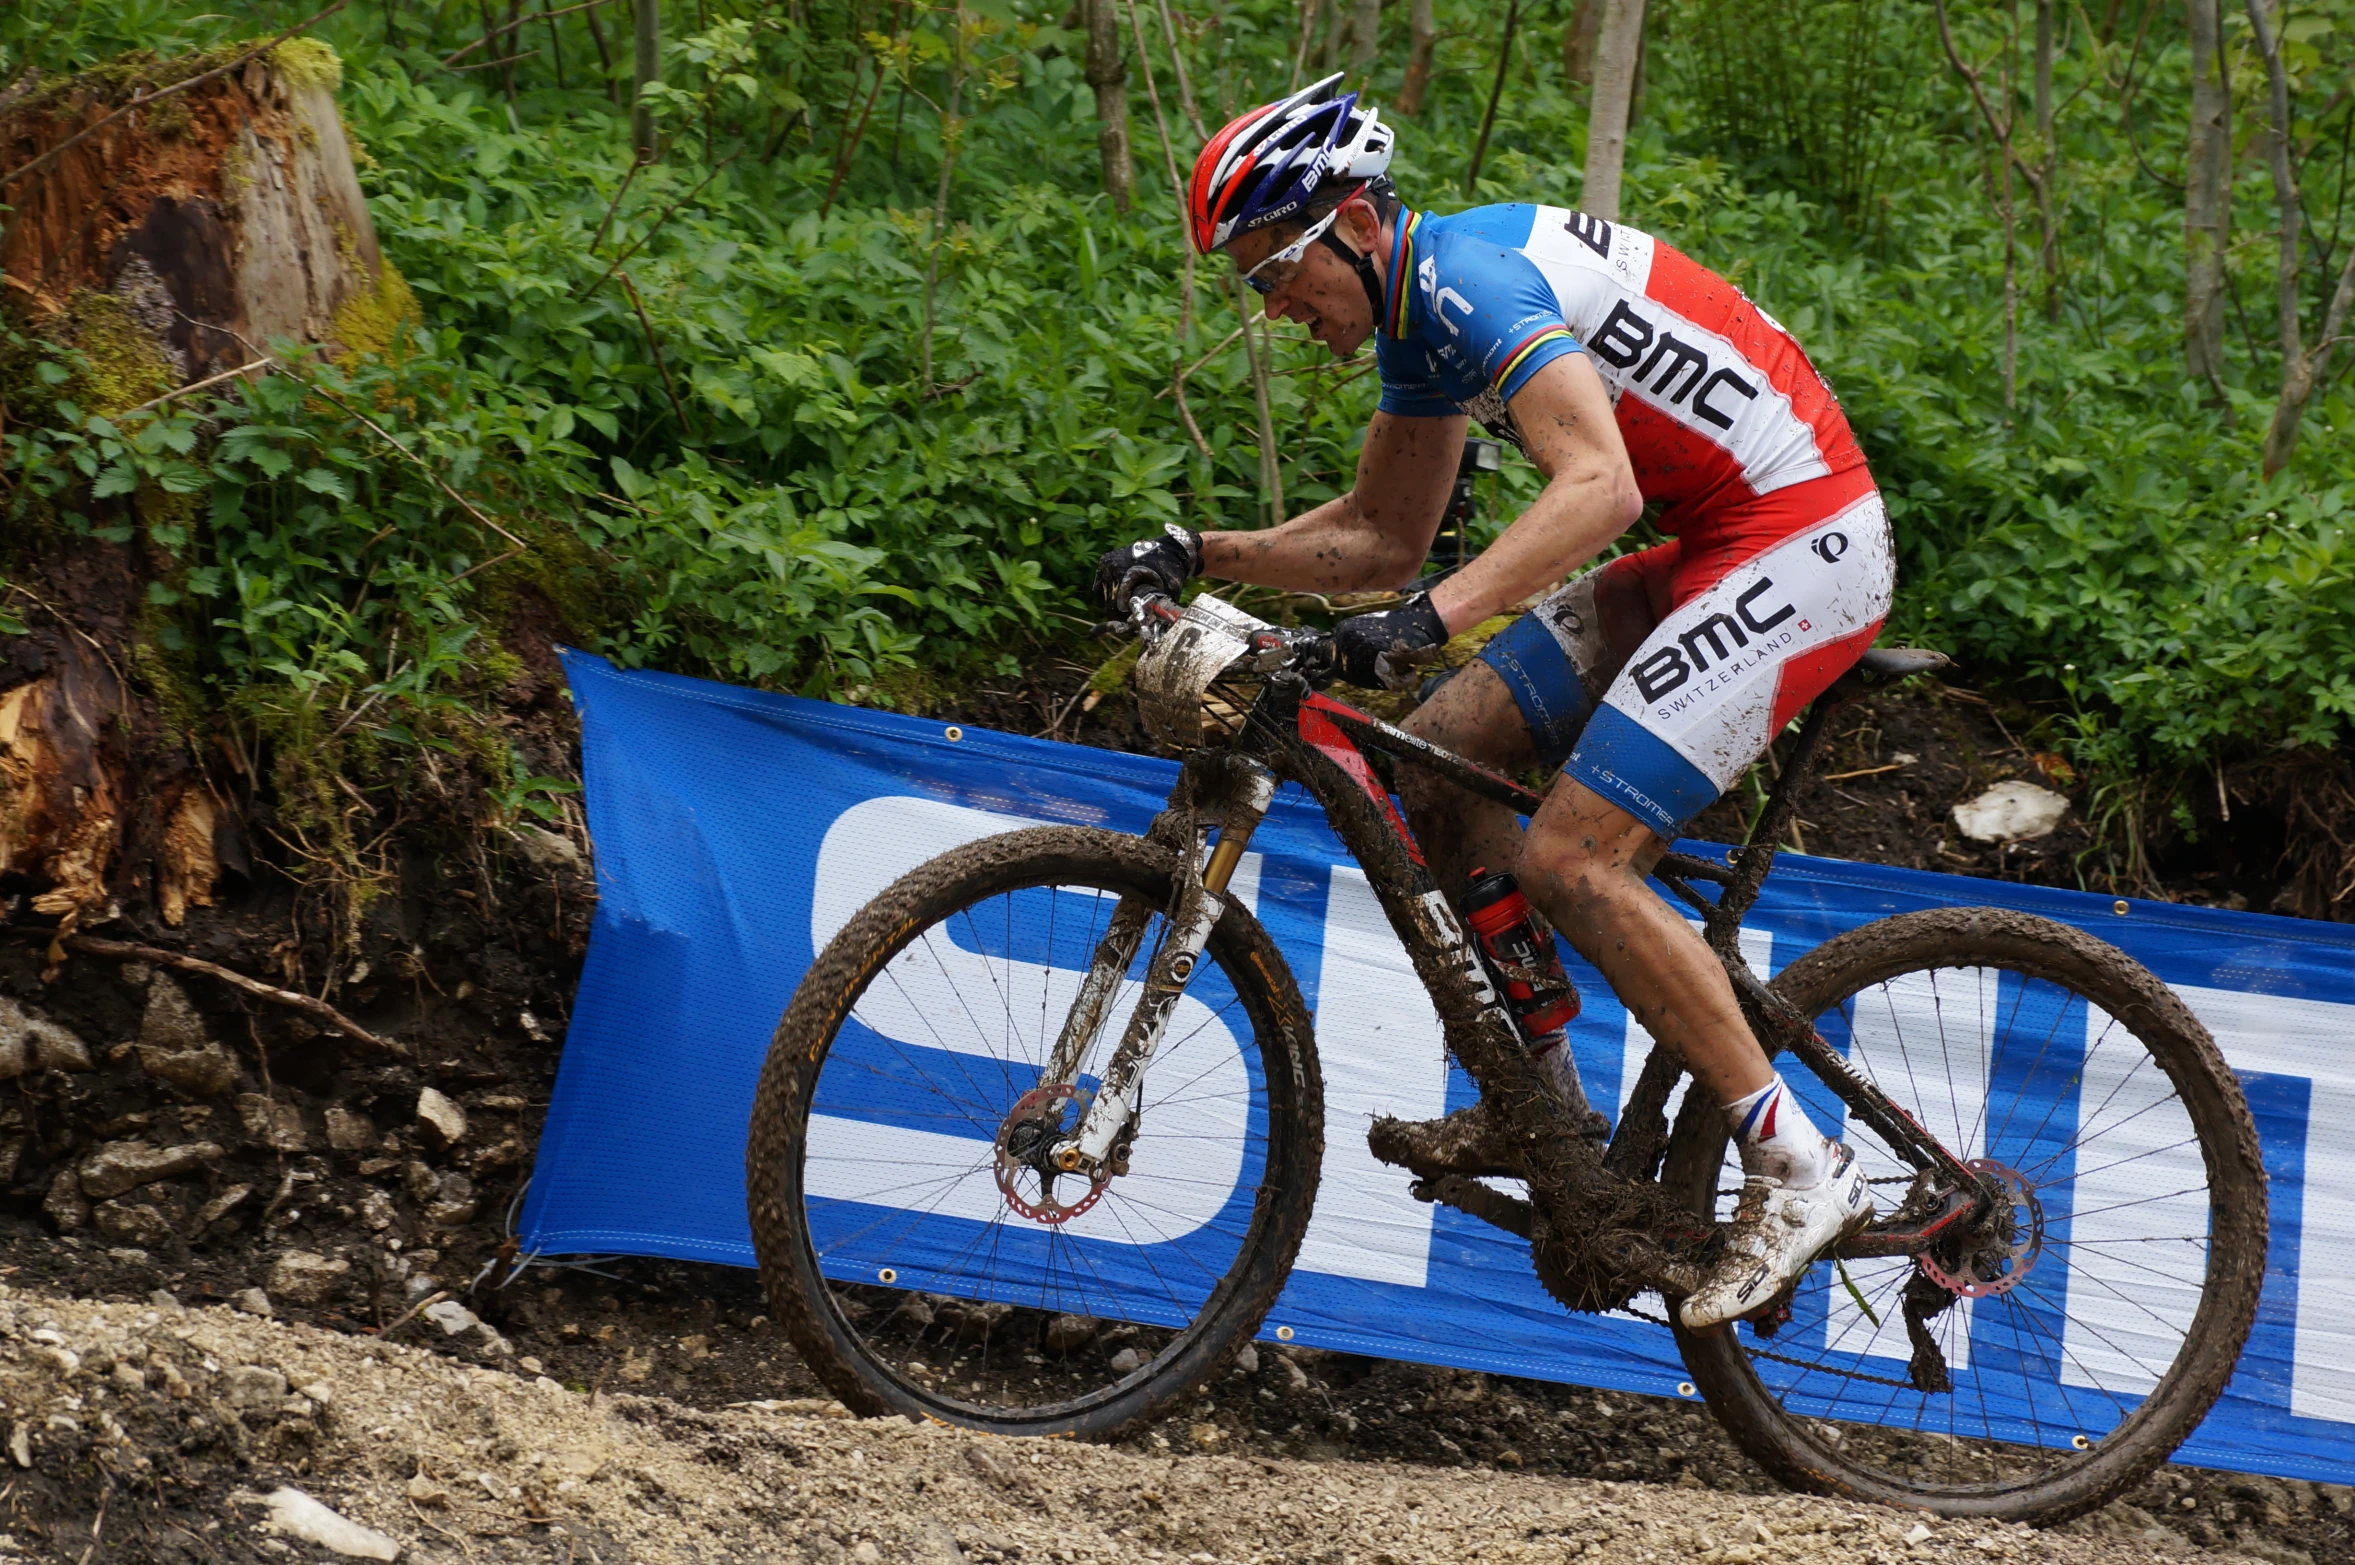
x=180, y=241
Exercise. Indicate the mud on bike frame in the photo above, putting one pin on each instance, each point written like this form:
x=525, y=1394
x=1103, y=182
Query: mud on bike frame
x=1290, y=731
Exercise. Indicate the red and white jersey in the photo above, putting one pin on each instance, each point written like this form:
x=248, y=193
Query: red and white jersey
x=1716, y=401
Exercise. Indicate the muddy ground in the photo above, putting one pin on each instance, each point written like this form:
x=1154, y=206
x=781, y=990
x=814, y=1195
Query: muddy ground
x=162, y=1131
x=149, y=1431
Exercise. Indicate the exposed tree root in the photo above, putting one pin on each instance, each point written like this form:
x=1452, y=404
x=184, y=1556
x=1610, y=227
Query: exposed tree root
x=127, y=951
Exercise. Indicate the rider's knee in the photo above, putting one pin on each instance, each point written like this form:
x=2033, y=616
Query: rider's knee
x=1566, y=873
x=1578, y=875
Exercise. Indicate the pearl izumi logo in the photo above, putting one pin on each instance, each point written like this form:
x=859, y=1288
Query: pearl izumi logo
x=1830, y=547
x=1713, y=641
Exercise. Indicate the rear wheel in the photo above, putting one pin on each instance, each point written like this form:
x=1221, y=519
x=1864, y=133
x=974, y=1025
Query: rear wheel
x=2085, y=1336
x=918, y=1263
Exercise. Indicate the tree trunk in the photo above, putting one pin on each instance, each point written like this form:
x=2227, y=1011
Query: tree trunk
x=1496, y=92
x=1365, y=34
x=1579, y=39
x=1422, y=38
x=1618, y=46
x=1107, y=72
x=2207, y=195
x=168, y=247
x=2049, y=151
x=2301, y=369
x=648, y=71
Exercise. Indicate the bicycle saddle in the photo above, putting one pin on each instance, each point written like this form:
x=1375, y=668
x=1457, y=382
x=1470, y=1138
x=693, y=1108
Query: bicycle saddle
x=1882, y=666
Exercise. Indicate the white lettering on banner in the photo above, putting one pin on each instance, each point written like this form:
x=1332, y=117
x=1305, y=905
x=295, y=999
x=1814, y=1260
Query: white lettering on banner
x=1757, y=947
x=1951, y=1105
x=2275, y=1035
x=874, y=842
x=1185, y=1168
x=1382, y=1051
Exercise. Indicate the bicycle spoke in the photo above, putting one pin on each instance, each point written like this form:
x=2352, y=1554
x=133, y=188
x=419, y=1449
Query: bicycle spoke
x=2032, y=1075
x=904, y=1185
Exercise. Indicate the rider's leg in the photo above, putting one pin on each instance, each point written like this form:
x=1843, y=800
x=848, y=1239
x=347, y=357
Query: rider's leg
x=1522, y=704
x=1748, y=643
x=1473, y=715
x=1584, y=862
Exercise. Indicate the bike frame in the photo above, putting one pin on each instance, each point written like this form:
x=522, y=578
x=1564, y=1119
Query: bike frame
x=1294, y=733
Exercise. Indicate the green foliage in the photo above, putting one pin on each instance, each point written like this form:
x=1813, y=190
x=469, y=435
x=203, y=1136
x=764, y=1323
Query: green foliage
x=696, y=393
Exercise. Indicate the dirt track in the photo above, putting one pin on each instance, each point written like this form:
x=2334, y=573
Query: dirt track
x=176, y=1423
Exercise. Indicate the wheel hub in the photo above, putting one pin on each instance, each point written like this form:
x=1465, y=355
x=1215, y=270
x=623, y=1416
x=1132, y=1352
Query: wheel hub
x=1999, y=1251
x=1030, y=1138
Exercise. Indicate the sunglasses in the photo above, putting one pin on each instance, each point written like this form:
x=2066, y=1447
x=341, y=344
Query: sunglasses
x=1287, y=260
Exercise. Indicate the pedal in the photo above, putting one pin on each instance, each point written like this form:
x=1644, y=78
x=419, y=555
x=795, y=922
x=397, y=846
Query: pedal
x=1474, y=1199
x=1469, y=1141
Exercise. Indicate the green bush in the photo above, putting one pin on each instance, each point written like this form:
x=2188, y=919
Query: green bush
x=755, y=478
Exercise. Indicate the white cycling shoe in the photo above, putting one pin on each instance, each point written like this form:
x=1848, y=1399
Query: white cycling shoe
x=1776, y=1234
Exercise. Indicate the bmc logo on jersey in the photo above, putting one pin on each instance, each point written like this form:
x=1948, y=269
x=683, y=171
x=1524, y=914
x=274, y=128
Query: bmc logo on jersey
x=1669, y=368
x=1717, y=638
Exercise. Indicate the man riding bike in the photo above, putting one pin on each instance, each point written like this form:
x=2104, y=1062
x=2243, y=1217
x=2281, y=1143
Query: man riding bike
x=1626, y=373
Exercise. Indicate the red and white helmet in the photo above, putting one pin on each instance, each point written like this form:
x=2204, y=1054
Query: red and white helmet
x=1266, y=165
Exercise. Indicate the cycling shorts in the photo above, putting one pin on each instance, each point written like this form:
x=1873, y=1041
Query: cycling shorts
x=1658, y=678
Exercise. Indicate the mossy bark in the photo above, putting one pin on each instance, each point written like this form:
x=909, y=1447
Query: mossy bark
x=187, y=238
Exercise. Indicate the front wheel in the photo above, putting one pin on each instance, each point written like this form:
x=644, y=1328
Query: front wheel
x=918, y=1265
x=2082, y=1337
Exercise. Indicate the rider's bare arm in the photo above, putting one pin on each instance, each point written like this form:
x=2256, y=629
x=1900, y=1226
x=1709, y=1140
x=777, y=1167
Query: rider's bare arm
x=1589, y=499
x=1374, y=536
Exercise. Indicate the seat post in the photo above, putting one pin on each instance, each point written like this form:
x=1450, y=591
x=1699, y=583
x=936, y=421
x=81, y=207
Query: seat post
x=1759, y=847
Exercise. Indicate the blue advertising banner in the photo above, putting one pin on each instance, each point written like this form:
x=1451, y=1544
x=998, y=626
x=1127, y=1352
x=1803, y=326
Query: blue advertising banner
x=737, y=831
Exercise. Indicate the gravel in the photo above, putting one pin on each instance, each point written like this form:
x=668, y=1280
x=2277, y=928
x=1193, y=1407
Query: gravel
x=192, y=1424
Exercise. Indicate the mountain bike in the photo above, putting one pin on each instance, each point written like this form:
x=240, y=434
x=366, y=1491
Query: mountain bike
x=1038, y=1138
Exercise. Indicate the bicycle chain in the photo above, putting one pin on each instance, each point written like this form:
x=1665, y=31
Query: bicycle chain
x=1785, y=1358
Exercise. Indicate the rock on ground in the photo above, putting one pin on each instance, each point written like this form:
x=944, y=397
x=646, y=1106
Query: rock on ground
x=449, y=1462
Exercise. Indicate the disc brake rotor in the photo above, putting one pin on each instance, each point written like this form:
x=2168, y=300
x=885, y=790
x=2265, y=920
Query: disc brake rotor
x=1990, y=1262
x=1040, y=1121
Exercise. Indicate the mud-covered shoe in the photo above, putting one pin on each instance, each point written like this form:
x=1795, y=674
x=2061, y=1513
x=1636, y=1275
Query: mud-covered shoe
x=1776, y=1234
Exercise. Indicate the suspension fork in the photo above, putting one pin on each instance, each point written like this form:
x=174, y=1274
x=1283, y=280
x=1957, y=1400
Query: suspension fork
x=1249, y=787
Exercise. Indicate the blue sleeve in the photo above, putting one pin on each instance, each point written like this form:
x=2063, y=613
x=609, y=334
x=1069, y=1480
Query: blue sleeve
x=1411, y=387
x=1500, y=310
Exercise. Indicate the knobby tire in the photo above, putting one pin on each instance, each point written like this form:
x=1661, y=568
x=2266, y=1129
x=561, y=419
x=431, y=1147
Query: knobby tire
x=806, y=1304
x=1795, y=1448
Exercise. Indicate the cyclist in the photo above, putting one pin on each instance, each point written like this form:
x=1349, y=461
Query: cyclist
x=1626, y=373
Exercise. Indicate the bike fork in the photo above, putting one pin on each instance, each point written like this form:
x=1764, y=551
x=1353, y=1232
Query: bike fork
x=1105, y=1130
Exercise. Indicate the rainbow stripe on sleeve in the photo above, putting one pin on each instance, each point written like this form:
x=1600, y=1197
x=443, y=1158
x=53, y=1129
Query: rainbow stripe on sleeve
x=1529, y=345
x=1402, y=272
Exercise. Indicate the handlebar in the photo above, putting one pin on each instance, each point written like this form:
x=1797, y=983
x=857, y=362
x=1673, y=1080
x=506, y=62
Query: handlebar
x=1268, y=648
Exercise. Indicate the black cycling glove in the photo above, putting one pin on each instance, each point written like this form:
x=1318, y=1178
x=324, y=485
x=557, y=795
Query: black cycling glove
x=1381, y=651
x=1164, y=565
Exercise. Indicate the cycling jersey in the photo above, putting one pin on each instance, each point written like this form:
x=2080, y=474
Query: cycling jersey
x=1658, y=678
x=1715, y=401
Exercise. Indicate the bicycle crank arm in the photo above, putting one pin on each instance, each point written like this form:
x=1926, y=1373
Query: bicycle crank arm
x=1509, y=1212
x=1877, y=1240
